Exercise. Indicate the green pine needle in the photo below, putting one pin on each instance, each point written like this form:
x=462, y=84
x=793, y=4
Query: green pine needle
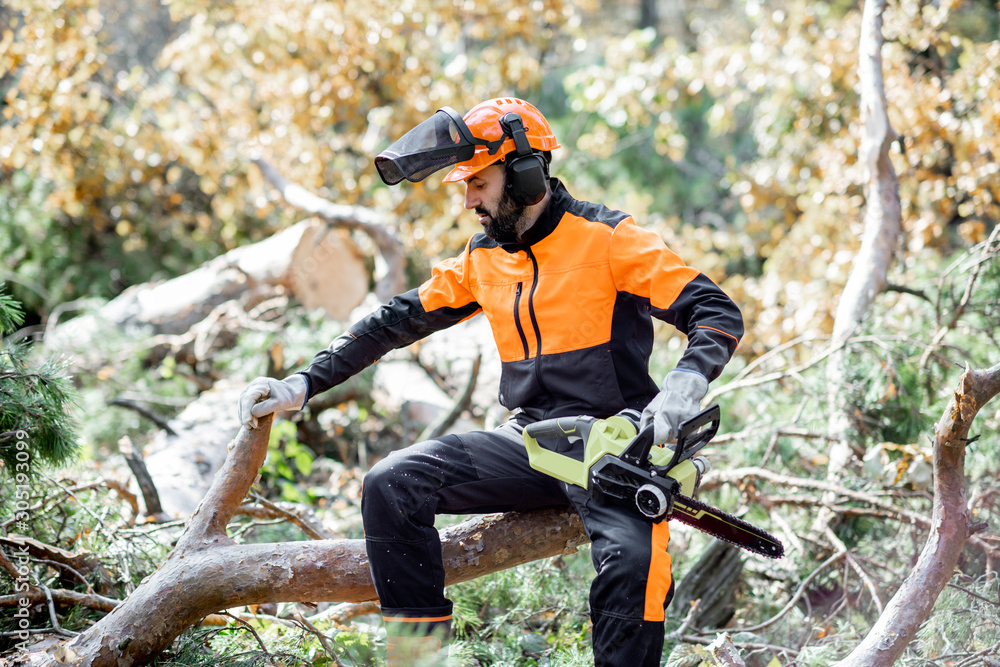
x=11, y=314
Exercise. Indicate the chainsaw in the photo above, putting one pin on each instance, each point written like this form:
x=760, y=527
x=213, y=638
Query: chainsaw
x=623, y=467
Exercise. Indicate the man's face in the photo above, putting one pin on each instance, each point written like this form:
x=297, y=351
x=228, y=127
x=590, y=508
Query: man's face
x=498, y=214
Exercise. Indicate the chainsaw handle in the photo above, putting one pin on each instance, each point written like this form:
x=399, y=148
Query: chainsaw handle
x=561, y=427
x=562, y=467
x=691, y=437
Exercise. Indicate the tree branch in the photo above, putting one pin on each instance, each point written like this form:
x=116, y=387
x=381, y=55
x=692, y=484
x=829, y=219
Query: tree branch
x=963, y=302
x=208, y=571
x=145, y=412
x=882, y=227
x=950, y=528
x=716, y=478
x=724, y=652
x=798, y=593
x=150, y=496
x=271, y=510
x=207, y=524
x=68, y=598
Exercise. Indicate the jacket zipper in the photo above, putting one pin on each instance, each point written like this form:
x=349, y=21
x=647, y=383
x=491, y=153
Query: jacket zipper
x=517, y=317
x=531, y=302
x=534, y=322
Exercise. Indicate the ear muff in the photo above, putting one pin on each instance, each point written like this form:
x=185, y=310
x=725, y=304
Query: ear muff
x=527, y=171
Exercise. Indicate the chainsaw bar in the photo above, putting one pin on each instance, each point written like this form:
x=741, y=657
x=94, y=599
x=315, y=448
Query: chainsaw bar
x=726, y=527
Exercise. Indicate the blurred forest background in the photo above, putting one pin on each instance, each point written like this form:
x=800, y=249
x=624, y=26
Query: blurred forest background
x=140, y=140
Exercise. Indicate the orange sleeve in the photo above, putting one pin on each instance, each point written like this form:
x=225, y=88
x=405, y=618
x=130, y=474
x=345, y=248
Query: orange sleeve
x=644, y=266
x=448, y=285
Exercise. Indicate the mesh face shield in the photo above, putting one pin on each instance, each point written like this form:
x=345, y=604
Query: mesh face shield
x=440, y=141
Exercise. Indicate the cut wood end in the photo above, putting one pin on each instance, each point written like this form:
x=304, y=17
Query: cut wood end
x=327, y=270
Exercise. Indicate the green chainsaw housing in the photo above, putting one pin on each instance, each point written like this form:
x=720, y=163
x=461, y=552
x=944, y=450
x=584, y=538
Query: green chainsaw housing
x=609, y=436
x=622, y=466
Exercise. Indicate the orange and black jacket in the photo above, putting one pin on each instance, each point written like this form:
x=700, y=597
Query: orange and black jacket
x=570, y=311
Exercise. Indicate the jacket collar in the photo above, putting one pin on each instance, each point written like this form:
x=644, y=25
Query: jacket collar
x=547, y=221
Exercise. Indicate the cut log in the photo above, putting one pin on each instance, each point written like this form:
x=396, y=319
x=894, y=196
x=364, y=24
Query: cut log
x=392, y=278
x=327, y=271
x=322, y=268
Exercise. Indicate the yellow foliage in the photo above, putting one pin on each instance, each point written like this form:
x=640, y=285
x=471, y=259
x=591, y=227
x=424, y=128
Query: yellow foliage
x=314, y=88
x=318, y=88
x=803, y=194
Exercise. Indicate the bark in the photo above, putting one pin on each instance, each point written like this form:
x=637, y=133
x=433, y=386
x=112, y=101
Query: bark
x=950, y=528
x=882, y=226
x=724, y=652
x=208, y=572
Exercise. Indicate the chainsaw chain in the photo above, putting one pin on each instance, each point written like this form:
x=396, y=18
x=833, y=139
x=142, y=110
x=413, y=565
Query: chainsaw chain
x=740, y=534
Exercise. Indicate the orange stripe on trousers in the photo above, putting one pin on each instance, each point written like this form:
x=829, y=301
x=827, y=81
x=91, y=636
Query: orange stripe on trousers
x=416, y=619
x=659, y=579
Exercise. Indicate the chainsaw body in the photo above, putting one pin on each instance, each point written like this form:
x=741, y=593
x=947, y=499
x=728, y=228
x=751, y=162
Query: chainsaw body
x=623, y=467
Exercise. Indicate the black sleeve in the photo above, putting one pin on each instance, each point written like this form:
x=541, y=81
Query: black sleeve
x=712, y=322
x=396, y=324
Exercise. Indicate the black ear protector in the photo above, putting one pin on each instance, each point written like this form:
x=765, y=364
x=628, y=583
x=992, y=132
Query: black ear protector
x=527, y=171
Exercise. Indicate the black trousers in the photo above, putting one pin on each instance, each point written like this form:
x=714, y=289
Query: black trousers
x=488, y=471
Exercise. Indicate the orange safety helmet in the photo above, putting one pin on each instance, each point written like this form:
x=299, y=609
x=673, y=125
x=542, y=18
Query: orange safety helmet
x=484, y=122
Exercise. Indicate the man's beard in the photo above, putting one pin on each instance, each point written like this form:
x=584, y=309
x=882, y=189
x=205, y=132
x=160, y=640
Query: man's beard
x=502, y=226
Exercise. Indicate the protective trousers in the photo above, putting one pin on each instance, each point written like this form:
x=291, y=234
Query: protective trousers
x=488, y=471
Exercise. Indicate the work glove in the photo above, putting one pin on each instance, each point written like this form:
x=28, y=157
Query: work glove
x=677, y=402
x=287, y=394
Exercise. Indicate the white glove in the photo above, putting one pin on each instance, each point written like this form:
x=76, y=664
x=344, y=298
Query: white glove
x=678, y=401
x=287, y=394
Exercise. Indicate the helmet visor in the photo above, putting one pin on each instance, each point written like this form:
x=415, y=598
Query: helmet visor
x=440, y=141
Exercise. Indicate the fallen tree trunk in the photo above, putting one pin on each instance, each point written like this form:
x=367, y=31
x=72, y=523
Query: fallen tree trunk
x=208, y=571
x=950, y=528
x=321, y=269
